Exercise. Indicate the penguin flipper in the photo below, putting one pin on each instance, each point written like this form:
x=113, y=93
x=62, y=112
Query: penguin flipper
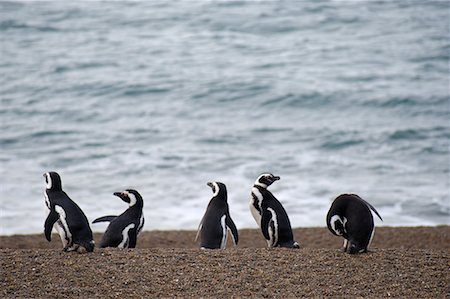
x=368, y=204
x=232, y=227
x=52, y=217
x=372, y=208
x=132, y=238
x=266, y=218
x=199, y=229
x=141, y=225
x=104, y=219
x=200, y=226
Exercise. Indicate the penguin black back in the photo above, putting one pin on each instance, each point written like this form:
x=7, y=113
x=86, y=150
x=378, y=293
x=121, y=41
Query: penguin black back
x=270, y=214
x=350, y=217
x=123, y=230
x=66, y=216
x=216, y=222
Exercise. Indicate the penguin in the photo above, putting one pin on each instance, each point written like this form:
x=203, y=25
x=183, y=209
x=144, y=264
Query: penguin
x=214, y=226
x=66, y=217
x=123, y=230
x=270, y=215
x=350, y=217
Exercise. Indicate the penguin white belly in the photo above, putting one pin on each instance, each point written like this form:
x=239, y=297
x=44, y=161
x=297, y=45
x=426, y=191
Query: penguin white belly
x=125, y=237
x=255, y=213
x=62, y=227
x=223, y=243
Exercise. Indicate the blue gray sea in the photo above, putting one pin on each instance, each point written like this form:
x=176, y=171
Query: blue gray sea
x=164, y=96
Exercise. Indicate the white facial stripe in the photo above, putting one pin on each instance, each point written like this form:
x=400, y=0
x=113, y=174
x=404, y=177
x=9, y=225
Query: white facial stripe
x=256, y=214
x=258, y=183
x=216, y=189
x=132, y=198
x=124, y=243
x=223, y=243
x=49, y=181
x=333, y=223
x=273, y=235
x=64, y=231
x=333, y=220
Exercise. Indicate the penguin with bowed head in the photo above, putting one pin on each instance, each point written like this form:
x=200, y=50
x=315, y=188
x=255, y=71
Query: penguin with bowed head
x=270, y=215
x=350, y=217
x=123, y=230
x=216, y=222
x=66, y=217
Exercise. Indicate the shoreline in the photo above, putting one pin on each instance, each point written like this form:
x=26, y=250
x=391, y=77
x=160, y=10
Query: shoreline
x=405, y=237
x=410, y=262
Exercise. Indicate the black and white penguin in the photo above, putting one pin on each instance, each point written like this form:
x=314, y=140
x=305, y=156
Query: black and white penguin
x=123, y=230
x=270, y=215
x=66, y=217
x=350, y=217
x=216, y=222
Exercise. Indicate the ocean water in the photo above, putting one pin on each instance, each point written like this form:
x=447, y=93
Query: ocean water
x=164, y=96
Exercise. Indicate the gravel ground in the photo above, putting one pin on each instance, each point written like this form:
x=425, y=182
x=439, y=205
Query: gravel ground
x=404, y=262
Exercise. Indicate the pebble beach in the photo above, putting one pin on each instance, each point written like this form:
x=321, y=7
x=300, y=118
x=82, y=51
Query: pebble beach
x=403, y=262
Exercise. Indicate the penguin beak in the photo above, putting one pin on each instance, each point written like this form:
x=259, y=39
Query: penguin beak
x=122, y=196
x=209, y=184
x=276, y=178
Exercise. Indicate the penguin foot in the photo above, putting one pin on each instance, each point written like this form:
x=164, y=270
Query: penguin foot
x=81, y=250
x=74, y=247
x=89, y=246
x=353, y=249
x=345, y=246
x=294, y=245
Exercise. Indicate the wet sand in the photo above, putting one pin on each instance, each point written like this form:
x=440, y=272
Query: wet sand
x=411, y=262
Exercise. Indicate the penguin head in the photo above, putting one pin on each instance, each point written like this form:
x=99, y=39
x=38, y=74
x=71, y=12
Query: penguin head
x=337, y=224
x=218, y=189
x=130, y=196
x=52, y=181
x=266, y=179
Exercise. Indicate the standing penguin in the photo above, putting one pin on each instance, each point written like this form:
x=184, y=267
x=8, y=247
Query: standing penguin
x=350, y=217
x=216, y=222
x=66, y=217
x=270, y=215
x=123, y=230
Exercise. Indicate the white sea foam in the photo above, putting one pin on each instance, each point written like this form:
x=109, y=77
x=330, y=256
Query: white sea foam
x=167, y=102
